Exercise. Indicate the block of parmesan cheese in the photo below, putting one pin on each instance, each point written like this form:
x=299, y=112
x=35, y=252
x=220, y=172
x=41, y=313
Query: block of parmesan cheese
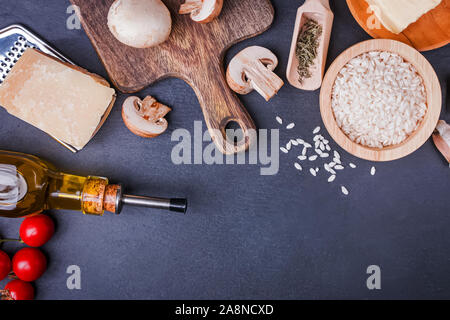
x=65, y=101
x=397, y=15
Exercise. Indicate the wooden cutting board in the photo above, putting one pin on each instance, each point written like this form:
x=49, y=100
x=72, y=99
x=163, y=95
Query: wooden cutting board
x=430, y=32
x=194, y=53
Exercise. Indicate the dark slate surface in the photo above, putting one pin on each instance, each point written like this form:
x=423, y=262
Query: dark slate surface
x=287, y=236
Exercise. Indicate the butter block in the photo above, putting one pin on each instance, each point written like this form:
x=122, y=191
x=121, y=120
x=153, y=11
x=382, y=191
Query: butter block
x=397, y=15
x=65, y=101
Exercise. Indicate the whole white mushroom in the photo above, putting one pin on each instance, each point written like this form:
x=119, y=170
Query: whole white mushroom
x=140, y=23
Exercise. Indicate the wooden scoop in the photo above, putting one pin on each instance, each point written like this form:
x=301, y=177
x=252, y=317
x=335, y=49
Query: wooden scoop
x=318, y=10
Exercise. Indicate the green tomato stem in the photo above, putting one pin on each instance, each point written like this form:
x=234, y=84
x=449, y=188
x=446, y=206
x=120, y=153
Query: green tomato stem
x=11, y=240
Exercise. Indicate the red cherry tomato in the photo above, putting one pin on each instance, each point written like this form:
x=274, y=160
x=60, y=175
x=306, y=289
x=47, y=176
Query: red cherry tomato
x=20, y=290
x=5, y=265
x=37, y=230
x=29, y=264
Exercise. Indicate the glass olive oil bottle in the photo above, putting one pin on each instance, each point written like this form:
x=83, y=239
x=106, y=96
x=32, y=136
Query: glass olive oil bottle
x=29, y=185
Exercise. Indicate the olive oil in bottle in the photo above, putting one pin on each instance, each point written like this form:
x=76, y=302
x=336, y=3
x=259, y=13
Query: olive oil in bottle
x=29, y=185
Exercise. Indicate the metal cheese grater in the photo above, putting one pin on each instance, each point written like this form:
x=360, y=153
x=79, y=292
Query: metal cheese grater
x=14, y=40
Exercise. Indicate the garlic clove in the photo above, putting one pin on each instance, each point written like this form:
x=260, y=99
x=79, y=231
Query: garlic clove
x=441, y=138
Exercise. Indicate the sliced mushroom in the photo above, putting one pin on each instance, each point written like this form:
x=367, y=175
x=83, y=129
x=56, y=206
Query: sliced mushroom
x=252, y=69
x=202, y=11
x=441, y=138
x=145, y=118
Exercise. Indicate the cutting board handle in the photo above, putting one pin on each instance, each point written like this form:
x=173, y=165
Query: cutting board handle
x=221, y=106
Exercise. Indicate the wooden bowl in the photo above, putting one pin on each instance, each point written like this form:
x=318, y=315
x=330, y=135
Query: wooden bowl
x=418, y=137
x=430, y=32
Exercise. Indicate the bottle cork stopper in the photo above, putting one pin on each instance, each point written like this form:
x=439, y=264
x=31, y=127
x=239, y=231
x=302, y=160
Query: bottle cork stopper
x=111, y=201
x=93, y=195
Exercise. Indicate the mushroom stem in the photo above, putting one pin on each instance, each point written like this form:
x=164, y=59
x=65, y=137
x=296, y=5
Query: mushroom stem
x=152, y=110
x=264, y=81
x=190, y=6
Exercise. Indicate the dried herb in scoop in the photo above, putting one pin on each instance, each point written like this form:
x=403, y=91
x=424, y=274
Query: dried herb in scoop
x=307, y=47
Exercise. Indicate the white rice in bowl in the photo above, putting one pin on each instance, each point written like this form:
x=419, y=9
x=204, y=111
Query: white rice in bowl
x=379, y=99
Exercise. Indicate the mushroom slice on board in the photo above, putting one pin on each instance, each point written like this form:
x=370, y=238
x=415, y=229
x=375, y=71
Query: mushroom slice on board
x=252, y=69
x=441, y=138
x=145, y=118
x=202, y=11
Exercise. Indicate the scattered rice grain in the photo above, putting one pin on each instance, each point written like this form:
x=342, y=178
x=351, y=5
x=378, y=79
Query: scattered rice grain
x=290, y=126
x=288, y=146
x=279, y=120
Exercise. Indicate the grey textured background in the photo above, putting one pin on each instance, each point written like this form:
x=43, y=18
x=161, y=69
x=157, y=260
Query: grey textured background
x=287, y=236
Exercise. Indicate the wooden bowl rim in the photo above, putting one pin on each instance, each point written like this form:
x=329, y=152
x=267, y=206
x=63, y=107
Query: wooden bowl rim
x=418, y=137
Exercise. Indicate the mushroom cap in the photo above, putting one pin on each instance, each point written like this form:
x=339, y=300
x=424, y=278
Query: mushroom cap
x=145, y=118
x=210, y=10
x=236, y=77
x=140, y=23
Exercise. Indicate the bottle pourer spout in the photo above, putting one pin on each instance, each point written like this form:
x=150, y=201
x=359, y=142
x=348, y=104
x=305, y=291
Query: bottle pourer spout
x=175, y=205
x=115, y=199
